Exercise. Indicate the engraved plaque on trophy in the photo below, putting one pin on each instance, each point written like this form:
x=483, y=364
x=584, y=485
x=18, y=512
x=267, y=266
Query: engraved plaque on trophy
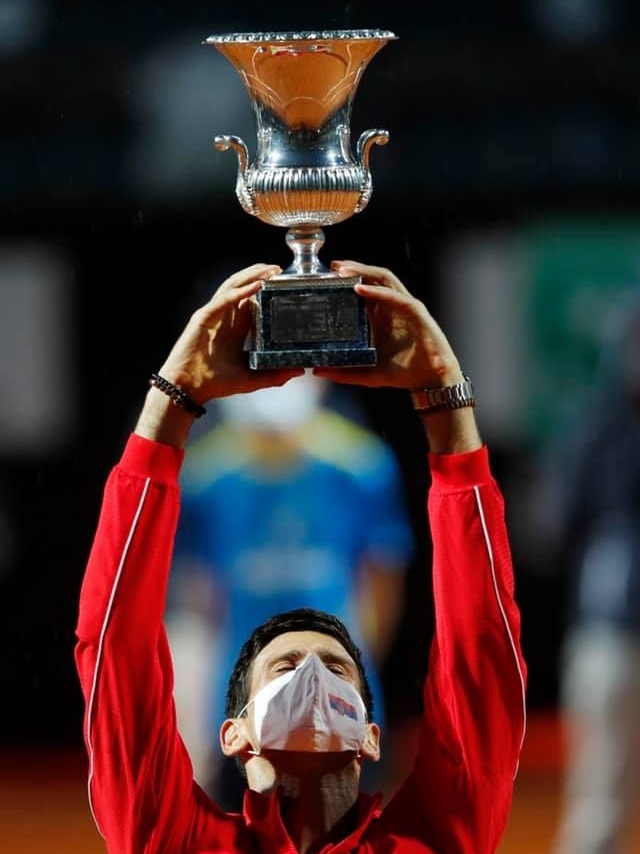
x=304, y=177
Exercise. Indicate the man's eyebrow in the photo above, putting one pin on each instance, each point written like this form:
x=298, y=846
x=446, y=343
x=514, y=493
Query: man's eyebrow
x=326, y=654
x=288, y=655
x=333, y=657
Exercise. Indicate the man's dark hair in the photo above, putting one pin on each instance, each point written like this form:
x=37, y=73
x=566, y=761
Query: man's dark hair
x=297, y=620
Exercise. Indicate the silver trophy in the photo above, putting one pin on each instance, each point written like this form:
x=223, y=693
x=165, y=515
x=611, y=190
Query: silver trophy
x=305, y=177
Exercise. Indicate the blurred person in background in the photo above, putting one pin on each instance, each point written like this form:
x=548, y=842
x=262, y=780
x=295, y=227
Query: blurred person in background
x=588, y=506
x=288, y=501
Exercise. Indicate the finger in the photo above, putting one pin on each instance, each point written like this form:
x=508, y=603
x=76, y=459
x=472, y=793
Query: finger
x=224, y=300
x=400, y=300
x=250, y=300
x=374, y=275
x=249, y=274
x=236, y=296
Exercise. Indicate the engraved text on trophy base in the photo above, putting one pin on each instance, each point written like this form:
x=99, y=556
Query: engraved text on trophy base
x=310, y=324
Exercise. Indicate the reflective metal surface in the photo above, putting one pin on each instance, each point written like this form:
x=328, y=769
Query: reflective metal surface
x=302, y=87
x=305, y=176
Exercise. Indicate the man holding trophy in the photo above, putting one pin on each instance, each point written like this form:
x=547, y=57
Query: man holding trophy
x=298, y=703
x=299, y=712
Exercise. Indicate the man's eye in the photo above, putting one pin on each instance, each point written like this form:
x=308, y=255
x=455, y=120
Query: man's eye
x=285, y=667
x=337, y=669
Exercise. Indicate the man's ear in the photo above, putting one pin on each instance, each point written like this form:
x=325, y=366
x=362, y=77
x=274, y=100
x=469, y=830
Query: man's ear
x=371, y=744
x=233, y=737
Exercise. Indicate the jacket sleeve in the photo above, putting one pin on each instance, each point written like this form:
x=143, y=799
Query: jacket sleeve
x=140, y=776
x=459, y=793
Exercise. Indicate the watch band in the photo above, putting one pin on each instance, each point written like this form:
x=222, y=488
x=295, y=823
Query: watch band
x=441, y=398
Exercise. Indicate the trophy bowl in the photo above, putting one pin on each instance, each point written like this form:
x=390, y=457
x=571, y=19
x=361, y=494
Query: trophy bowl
x=305, y=177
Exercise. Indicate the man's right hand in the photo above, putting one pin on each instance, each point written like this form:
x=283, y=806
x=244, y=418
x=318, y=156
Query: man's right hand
x=209, y=360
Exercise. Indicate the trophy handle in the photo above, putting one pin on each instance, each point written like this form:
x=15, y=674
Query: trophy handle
x=366, y=140
x=224, y=142
x=363, y=149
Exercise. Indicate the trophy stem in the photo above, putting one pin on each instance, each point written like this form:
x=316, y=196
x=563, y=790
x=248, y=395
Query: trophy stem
x=306, y=241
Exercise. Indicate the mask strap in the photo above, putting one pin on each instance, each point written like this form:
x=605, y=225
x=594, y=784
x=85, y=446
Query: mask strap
x=244, y=710
x=242, y=713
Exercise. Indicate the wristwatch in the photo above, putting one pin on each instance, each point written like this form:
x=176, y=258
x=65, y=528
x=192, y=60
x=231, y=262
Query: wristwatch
x=441, y=398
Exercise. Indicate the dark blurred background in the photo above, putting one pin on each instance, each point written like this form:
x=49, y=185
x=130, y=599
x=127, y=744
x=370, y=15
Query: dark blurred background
x=507, y=198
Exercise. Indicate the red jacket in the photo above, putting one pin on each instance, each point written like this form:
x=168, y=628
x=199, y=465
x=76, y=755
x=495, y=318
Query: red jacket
x=141, y=788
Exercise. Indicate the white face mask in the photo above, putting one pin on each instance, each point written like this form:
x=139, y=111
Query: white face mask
x=309, y=709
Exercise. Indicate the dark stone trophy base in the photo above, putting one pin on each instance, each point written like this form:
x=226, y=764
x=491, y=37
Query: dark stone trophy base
x=307, y=322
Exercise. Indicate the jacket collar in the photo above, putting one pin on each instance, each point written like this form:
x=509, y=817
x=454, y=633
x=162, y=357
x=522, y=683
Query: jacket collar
x=262, y=814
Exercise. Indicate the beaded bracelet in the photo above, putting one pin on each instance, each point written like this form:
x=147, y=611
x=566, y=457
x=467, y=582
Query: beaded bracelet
x=177, y=395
